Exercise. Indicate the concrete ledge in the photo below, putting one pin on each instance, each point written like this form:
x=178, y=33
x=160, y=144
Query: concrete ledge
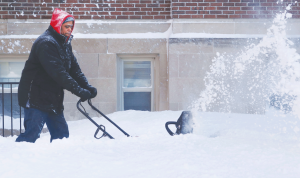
x=120, y=28
x=38, y=26
x=229, y=27
x=177, y=28
x=3, y=26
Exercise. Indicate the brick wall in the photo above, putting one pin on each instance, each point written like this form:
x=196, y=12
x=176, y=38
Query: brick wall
x=146, y=9
x=232, y=8
x=86, y=9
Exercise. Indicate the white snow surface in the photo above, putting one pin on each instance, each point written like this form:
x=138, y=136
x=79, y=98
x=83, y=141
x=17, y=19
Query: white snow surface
x=8, y=120
x=222, y=145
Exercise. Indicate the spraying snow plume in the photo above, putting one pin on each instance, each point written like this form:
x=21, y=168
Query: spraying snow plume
x=262, y=72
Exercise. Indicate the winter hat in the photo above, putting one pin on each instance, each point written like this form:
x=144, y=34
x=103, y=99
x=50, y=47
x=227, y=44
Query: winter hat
x=69, y=19
x=58, y=18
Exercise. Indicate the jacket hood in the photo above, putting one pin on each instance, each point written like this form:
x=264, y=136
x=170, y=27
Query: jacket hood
x=58, y=17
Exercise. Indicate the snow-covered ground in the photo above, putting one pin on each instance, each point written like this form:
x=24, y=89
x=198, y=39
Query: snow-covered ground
x=8, y=120
x=223, y=145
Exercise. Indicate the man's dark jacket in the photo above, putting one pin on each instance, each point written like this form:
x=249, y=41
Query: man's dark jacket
x=50, y=68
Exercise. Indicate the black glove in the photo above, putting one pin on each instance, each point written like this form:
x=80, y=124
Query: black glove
x=84, y=95
x=93, y=91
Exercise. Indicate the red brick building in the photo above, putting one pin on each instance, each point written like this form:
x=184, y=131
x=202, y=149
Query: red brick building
x=147, y=9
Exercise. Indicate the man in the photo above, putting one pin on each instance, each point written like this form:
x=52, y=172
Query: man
x=50, y=68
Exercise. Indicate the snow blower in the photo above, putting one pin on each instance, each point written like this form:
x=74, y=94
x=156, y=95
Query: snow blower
x=183, y=125
x=99, y=127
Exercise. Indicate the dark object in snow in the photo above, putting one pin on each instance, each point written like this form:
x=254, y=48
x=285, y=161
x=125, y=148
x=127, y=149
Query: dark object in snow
x=184, y=124
x=99, y=127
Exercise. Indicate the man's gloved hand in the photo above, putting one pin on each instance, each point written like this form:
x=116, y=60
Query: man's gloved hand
x=93, y=91
x=84, y=95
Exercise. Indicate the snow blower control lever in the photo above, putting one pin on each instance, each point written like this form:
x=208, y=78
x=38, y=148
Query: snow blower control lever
x=99, y=127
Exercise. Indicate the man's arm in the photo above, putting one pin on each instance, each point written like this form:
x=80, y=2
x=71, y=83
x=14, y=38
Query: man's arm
x=50, y=60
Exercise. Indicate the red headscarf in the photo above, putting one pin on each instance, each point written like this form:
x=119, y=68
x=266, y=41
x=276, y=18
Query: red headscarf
x=58, y=17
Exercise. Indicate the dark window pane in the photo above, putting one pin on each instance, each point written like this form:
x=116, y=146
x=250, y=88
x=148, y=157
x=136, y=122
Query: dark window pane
x=137, y=101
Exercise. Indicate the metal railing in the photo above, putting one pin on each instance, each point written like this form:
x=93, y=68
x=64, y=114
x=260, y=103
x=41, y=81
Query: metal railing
x=7, y=88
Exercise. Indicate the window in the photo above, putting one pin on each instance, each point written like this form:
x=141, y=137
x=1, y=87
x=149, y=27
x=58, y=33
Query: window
x=11, y=67
x=136, y=79
x=10, y=72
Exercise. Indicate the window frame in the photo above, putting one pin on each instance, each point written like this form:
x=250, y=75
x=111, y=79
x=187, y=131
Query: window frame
x=120, y=77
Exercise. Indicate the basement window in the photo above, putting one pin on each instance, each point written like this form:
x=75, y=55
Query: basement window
x=11, y=67
x=136, y=84
x=10, y=71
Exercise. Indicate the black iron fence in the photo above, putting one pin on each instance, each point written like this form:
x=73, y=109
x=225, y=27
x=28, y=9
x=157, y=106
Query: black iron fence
x=10, y=109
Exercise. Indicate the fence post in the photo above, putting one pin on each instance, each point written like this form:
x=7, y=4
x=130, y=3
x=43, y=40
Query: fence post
x=3, y=108
x=11, y=112
x=20, y=120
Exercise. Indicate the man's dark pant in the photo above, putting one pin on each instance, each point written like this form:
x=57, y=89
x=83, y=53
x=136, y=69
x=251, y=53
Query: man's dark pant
x=34, y=121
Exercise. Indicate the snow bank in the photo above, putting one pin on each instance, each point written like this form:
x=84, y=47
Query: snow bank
x=7, y=122
x=223, y=145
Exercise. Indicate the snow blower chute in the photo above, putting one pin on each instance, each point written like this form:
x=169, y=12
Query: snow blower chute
x=99, y=127
x=183, y=125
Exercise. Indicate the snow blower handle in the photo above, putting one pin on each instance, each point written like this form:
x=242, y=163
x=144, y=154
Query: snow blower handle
x=99, y=127
x=102, y=129
x=94, y=108
x=167, y=127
